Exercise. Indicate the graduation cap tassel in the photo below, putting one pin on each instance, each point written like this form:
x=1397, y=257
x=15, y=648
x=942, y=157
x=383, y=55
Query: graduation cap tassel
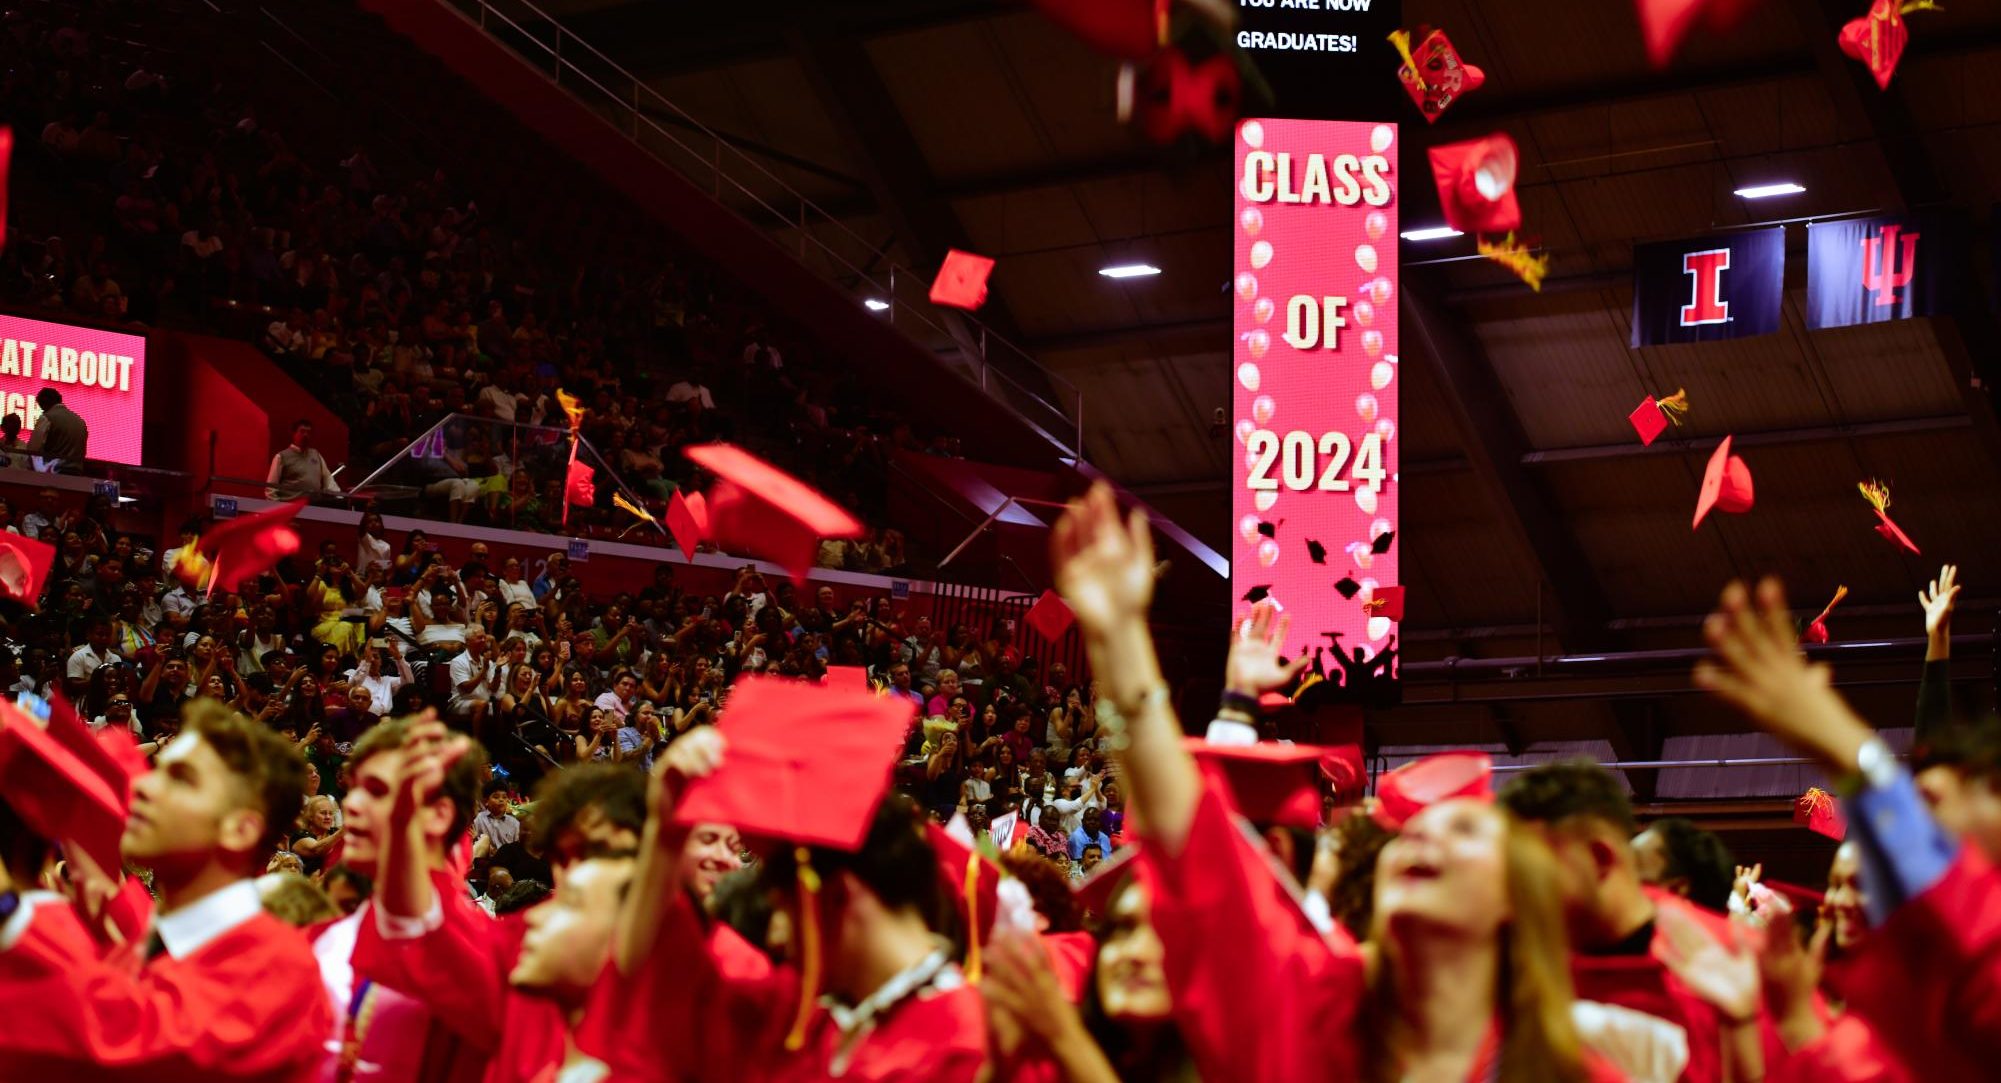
x=1674, y=406
x=1401, y=39
x=809, y=948
x=1516, y=257
x=972, y=895
x=1877, y=493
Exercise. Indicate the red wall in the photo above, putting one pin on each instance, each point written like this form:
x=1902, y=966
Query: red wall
x=233, y=391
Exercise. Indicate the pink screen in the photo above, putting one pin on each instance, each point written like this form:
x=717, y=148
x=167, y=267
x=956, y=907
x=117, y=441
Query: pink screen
x=1315, y=374
x=100, y=374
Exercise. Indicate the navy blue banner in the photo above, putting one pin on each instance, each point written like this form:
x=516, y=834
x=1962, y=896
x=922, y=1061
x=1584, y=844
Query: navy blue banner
x=1709, y=288
x=1871, y=270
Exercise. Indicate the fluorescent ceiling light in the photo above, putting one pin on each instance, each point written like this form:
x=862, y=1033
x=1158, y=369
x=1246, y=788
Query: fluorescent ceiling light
x=875, y=305
x=1129, y=270
x=1766, y=191
x=1432, y=233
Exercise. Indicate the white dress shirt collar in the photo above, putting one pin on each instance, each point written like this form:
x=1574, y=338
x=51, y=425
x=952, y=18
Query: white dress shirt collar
x=190, y=928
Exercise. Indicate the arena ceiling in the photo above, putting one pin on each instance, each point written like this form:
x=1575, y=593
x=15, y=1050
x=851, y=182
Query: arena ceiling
x=1533, y=523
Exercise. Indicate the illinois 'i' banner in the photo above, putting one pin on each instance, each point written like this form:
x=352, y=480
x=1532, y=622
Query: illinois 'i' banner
x=1709, y=288
x=1894, y=267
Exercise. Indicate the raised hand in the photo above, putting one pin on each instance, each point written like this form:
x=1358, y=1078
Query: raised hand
x=429, y=751
x=1256, y=642
x=1759, y=669
x=1937, y=600
x=695, y=754
x=1747, y=876
x=1724, y=976
x=1103, y=561
x=1792, y=973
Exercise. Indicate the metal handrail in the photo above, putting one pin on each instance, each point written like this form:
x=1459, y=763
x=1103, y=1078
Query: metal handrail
x=1062, y=424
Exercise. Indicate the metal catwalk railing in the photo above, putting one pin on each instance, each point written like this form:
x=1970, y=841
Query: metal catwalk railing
x=824, y=243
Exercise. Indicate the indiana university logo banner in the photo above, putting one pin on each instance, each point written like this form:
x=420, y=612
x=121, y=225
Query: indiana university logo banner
x=1709, y=288
x=1869, y=270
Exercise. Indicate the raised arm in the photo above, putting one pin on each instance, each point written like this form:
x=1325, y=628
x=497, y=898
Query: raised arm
x=1935, y=685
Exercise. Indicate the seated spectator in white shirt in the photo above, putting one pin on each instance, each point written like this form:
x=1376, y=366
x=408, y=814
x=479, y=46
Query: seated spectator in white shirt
x=475, y=676
x=84, y=661
x=381, y=686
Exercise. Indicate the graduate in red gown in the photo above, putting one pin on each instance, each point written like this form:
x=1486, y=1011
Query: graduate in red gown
x=218, y=990
x=1928, y=980
x=1469, y=930
x=383, y=1030
x=869, y=991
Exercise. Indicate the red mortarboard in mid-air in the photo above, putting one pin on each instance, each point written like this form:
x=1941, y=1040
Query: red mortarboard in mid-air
x=1665, y=23
x=247, y=546
x=580, y=484
x=1877, y=493
x=1476, y=184
x=962, y=280
x=1386, y=602
x=1726, y=485
x=1816, y=629
x=24, y=567
x=1419, y=784
x=688, y=522
x=1433, y=72
x=1271, y=784
x=1652, y=416
x=756, y=508
x=804, y=763
x=1050, y=616
x=1878, y=38
x=1127, y=29
x=57, y=795
x=1176, y=96
x=850, y=677
x=1818, y=811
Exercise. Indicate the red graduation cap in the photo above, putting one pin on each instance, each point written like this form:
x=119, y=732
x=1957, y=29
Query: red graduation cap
x=855, y=677
x=805, y=763
x=962, y=280
x=756, y=508
x=1271, y=784
x=57, y=795
x=1726, y=485
x=1128, y=29
x=24, y=567
x=1176, y=96
x=247, y=546
x=1386, y=602
x=580, y=484
x=108, y=752
x=1433, y=73
x=1476, y=184
x=1096, y=890
x=1419, y=784
x=688, y=522
x=1878, y=38
x=1877, y=493
x=1050, y=616
x=1652, y=416
x=1820, y=813
x=1665, y=23
x=1816, y=629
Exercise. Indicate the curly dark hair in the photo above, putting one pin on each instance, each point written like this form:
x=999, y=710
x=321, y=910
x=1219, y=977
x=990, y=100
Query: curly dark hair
x=1569, y=789
x=616, y=790
x=1698, y=857
x=1352, y=899
x=1968, y=750
x=1049, y=888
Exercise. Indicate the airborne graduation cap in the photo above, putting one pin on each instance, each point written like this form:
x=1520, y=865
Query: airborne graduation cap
x=1271, y=784
x=244, y=547
x=962, y=280
x=805, y=765
x=756, y=508
x=1726, y=485
x=688, y=522
x=57, y=795
x=1476, y=184
x=24, y=567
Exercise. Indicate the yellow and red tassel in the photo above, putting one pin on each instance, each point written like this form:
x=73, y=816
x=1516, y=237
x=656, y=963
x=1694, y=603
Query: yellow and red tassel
x=972, y=895
x=1516, y=257
x=1674, y=406
x=572, y=406
x=1401, y=39
x=809, y=948
x=1877, y=493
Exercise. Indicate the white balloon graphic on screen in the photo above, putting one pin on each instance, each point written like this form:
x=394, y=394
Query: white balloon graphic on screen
x=1365, y=405
x=1379, y=377
x=1245, y=428
x=1247, y=529
x=1365, y=257
x=1264, y=310
x=1385, y=428
x=1379, y=627
x=1252, y=220
x=1247, y=286
x=1254, y=134
x=1375, y=224
x=1249, y=376
x=1260, y=254
x=1379, y=138
x=1268, y=553
x=1258, y=341
x=1264, y=499
x=1262, y=407
x=1365, y=499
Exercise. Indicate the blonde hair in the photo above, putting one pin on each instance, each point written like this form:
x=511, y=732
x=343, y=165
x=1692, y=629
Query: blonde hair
x=1539, y=1044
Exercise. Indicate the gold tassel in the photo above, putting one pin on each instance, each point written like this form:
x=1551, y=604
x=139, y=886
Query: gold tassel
x=1162, y=20
x=1516, y=257
x=1877, y=493
x=1401, y=39
x=620, y=500
x=572, y=407
x=809, y=948
x=1911, y=6
x=1840, y=592
x=1675, y=405
x=972, y=893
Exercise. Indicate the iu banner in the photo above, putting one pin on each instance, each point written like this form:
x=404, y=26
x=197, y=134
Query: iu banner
x=1709, y=288
x=1869, y=270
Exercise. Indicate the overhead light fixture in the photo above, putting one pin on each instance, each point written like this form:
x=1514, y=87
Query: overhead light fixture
x=1767, y=191
x=874, y=305
x=1430, y=233
x=1129, y=270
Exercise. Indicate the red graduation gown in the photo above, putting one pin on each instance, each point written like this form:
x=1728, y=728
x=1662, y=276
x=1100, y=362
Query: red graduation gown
x=1928, y=982
x=245, y=1006
x=1260, y=995
x=721, y=1026
x=459, y=972
x=626, y=1005
x=1072, y=956
x=1849, y=1052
